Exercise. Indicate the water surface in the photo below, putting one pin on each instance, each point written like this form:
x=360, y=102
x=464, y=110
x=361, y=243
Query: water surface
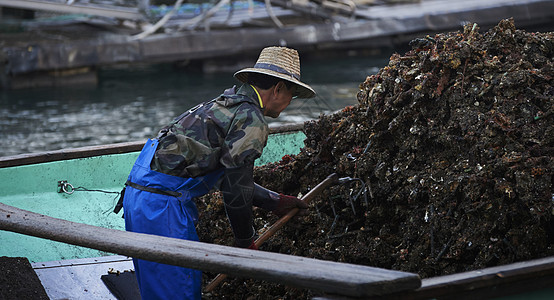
x=133, y=103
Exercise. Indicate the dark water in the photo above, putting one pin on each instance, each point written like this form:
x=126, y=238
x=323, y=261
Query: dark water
x=134, y=103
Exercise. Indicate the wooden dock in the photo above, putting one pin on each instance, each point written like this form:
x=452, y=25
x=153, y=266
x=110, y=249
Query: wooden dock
x=54, y=52
x=72, y=7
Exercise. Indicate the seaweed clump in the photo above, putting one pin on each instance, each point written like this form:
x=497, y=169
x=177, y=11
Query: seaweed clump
x=453, y=146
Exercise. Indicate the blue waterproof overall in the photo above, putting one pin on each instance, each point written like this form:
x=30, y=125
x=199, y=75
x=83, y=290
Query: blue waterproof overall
x=172, y=216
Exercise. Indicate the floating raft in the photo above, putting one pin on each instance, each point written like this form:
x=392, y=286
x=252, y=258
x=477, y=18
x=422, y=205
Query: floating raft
x=65, y=47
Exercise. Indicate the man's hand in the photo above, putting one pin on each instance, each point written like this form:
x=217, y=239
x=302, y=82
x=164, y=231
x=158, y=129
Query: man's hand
x=286, y=203
x=246, y=243
x=253, y=246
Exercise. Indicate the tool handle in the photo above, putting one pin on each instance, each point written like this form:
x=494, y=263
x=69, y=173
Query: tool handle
x=331, y=179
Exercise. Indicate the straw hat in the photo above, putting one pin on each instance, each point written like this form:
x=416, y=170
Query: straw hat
x=280, y=62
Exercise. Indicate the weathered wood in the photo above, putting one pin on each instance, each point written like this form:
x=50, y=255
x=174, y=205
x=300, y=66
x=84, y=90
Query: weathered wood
x=91, y=151
x=304, y=7
x=73, y=153
x=119, y=12
x=491, y=282
x=331, y=179
x=382, y=25
x=286, y=128
x=329, y=277
x=512, y=279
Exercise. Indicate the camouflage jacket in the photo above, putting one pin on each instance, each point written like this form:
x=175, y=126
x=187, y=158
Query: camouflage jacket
x=229, y=131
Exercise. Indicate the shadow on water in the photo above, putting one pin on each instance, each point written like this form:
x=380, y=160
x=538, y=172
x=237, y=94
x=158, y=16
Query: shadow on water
x=133, y=103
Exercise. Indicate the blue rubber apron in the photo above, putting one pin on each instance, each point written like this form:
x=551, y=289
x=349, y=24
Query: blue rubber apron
x=171, y=216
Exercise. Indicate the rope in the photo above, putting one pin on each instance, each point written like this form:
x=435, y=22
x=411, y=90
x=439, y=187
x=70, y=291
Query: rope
x=271, y=14
x=192, y=23
x=160, y=23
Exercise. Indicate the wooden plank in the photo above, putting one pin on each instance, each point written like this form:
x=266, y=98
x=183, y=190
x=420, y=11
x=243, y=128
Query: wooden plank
x=304, y=7
x=91, y=151
x=512, y=279
x=500, y=281
x=444, y=8
x=494, y=281
x=385, y=26
x=325, y=276
x=117, y=12
x=73, y=153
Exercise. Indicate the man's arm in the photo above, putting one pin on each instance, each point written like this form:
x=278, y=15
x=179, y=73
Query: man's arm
x=240, y=193
x=237, y=187
x=279, y=204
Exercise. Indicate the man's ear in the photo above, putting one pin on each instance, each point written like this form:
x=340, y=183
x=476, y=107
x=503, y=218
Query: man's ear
x=279, y=86
x=276, y=88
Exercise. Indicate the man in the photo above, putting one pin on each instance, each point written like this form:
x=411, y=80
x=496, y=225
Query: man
x=212, y=144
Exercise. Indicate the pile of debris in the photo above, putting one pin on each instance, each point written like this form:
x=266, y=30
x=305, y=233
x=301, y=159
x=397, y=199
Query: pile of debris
x=19, y=280
x=451, y=155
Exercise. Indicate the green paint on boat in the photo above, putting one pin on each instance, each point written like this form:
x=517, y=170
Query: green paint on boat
x=281, y=144
x=96, y=181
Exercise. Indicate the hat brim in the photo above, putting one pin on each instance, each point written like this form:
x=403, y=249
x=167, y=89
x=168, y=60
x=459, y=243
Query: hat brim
x=303, y=90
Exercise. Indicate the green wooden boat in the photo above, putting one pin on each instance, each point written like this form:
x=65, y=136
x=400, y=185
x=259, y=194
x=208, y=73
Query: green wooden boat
x=61, y=203
x=91, y=177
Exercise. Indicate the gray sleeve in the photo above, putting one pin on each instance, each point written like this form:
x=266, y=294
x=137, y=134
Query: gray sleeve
x=237, y=187
x=265, y=198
